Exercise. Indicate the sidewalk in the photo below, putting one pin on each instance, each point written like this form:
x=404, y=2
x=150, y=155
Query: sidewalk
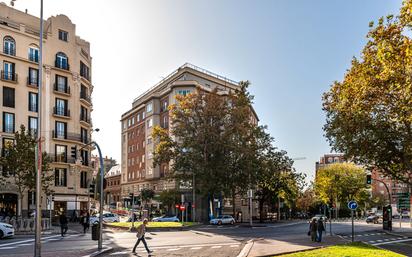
x=264, y=247
x=74, y=228
x=405, y=230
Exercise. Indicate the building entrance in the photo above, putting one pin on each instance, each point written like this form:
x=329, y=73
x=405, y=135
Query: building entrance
x=8, y=205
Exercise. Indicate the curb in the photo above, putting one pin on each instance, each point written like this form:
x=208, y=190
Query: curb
x=298, y=251
x=98, y=252
x=395, y=234
x=246, y=249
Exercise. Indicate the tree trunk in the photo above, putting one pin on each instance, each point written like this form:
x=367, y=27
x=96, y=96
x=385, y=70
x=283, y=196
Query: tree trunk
x=234, y=204
x=261, y=202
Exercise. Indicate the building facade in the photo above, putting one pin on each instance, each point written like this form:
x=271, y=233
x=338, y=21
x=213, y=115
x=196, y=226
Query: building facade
x=112, y=191
x=65, y=105
x=328, y=159
x=151, y=109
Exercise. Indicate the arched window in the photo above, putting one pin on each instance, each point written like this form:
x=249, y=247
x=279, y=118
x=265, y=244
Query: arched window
x=33, y=53
x=62, y=61
x=9, y=45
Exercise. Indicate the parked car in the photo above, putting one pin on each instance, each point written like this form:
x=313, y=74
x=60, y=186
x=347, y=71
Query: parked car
x=375, y=219
x=165, y=218
x=318, y=216
x=225, y=219
x=6, y=230
x=107, y=218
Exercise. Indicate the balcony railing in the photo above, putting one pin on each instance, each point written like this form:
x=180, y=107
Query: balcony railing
x=70, y=136
x=61, y=111
x=10, y=76
x=9, y=51
x=62, y=158
x=33, y=81
x=60, y=65
x=86, y=97
x=85, y=118
x=33, y=107
x=62, y=88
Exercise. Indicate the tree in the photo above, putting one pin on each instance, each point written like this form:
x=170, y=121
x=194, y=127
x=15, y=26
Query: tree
x=18, y=163
x=168, y=198
x=340, y=182
x=306, y=201
x=369, y=112
x=146, y=195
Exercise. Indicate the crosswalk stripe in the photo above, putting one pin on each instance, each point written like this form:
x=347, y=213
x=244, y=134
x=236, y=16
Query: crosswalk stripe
x=216, y=246
x=173, y=249
x=196, y=248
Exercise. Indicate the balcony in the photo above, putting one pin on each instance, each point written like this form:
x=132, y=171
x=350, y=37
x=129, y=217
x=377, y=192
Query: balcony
x=61, y=158
x=34, y=82
x=64, y=112
x=62, y=89
x=85, y=97
x=70, y=136
x=85, y=118
x=9, y=76
x=60, y=65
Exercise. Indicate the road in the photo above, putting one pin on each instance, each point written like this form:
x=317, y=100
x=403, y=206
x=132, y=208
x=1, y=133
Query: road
x=207, y=241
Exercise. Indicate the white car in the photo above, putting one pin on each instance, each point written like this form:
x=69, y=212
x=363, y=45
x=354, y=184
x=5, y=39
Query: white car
x=6, y=230
x=225, y=219
x=107, y=218
x=166, y=218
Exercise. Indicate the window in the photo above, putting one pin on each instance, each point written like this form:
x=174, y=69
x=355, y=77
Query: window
x=83, y=134
x=7, y=144
x=33, y=77
x=164, y=105
x=61, y=153
x=9, y=45
x=61, y=85
x=165, y=122
x=143, y=115
x=63, y=35
x=183, y=92
x=33, y=125
x=62, y=61
x=149, y=140
x=8, y=71
x=138, y=117
x=8, y=97
x=143, y=158
x=31, y=197
x=33, y=99
x=8, y=122
x=61, y=107
x=84, y=71
x=84, y=154
x=61, y=130
x=84, y=94
x=83, y=179
x=150, y=123
x=149, y=107
x=60, y=177
x=33, y=54
x=84, y=114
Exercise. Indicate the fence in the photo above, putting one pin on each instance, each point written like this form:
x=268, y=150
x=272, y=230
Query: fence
x=25, y=224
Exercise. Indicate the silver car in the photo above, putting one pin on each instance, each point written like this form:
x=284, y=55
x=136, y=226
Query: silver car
x=220, y=220
x=166, y=218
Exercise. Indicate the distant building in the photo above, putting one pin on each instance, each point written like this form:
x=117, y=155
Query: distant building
x=379, y=189
x=328, y=159
x=112, y=192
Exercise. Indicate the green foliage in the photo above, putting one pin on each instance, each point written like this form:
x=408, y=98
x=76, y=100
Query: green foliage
x=147, y=194
x=342, y=182
x=369, y=112
x=18, y=163
x=169, y=197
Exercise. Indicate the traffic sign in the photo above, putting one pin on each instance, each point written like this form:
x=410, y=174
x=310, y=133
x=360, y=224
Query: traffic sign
x=182, y=207
x=353, y=205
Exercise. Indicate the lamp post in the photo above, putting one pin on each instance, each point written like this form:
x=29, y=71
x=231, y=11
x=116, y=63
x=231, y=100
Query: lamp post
x=38, y=155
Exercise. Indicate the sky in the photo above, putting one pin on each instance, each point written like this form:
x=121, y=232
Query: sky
x=290, y=50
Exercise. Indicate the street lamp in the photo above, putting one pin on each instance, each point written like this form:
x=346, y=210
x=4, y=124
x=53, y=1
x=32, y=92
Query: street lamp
x=38, y=155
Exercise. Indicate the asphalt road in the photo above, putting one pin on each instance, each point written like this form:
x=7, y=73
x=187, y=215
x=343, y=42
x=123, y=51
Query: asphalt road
x=206, y=241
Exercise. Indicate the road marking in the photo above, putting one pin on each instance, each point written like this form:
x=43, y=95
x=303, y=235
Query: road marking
x=119, y=253
x=7, y=247
x=372, y=242
x=216, y=246
x=173, y=249
x=393, y=242
x=195, y=248
x=234, y=246
x=379, y=240
x=29, y=240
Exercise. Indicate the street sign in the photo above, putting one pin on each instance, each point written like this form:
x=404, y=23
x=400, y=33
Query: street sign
x=177, y=206
x=182, y=207
x=353, y=205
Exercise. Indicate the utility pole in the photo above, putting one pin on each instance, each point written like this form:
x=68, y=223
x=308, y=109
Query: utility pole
x=38, y=158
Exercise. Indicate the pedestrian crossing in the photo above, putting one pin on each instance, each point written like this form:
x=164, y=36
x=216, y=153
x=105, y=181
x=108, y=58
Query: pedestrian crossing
x=28, y=242
x=172, y=249
x=378, y=238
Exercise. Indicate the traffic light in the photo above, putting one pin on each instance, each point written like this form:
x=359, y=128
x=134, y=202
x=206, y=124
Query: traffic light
x=368, y=179
x=74, y=152
x=92, y=189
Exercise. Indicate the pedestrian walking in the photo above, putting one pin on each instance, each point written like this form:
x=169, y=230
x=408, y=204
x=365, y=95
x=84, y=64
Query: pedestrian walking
x=86, y=222
x=141, y=230
x=63, y=223
x=320, y=228
x=313, y=229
